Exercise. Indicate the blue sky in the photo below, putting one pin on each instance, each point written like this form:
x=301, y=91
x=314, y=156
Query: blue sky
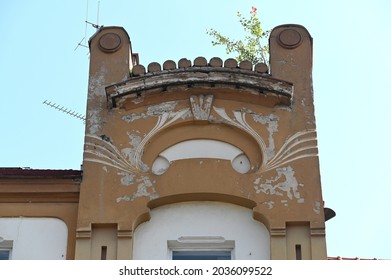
x=38, y=62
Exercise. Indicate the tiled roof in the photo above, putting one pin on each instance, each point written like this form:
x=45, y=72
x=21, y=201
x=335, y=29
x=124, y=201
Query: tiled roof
x=19, y=172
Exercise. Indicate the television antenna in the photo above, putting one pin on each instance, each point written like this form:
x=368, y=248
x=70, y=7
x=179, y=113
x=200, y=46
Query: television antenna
x=65, y=110
x=83, y=42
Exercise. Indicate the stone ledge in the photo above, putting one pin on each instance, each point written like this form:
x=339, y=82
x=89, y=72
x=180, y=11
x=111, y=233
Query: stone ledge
x=204, y=75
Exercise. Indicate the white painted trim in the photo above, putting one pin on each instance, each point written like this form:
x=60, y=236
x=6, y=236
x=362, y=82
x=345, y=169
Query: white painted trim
x=202, y=148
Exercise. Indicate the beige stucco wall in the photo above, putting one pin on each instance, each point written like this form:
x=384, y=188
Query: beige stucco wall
x=132, y=118
x=42, y=198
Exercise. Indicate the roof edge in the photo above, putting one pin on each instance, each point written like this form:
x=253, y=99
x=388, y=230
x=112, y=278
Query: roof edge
x=19, y=172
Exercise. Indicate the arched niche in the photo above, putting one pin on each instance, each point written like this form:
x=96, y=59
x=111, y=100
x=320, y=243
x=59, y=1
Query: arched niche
x=201, y=226
x=217, y=141
x=34, y=238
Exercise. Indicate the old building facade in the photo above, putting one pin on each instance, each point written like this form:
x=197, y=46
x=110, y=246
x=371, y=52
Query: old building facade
x=201, y=159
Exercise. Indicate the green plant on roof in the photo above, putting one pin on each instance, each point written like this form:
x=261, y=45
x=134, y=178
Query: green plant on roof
x=251, y=47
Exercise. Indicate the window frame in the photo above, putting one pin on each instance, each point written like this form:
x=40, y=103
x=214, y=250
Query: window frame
x=207, y=252
x=6, y=246
x=201, y=243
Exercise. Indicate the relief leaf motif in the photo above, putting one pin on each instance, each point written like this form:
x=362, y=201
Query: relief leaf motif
x=102, y=151
x=296, y=147
x=300, y=145
x=164, y=120
x=200, y=106
x=241, y=123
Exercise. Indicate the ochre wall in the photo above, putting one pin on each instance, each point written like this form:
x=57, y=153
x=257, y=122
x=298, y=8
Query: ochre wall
x=134, y=113
x=43, y=197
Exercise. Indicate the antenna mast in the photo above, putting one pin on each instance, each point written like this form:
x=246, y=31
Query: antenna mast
x=97, y=14
x=96, y=25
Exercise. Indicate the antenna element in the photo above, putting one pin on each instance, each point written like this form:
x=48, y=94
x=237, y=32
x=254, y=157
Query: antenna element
x=83, y=42
x=65, y=110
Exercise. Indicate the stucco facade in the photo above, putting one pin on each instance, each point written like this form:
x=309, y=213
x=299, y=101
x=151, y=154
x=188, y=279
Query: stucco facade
x=203, y=133
x=35, y=204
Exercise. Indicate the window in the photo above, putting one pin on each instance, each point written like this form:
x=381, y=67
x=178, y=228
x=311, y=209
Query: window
x=5, y=249
x=5, y=254
x=201, y=248
x=202, y=255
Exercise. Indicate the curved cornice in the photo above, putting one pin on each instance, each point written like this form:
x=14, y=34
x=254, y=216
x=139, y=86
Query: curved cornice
x=213, y=75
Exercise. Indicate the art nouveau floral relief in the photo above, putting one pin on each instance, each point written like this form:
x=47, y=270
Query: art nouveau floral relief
x=300, y=145
x=284, y=186
x=135, y=174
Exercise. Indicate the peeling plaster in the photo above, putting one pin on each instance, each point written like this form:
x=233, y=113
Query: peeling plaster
x=159, y=109
x=131, y=156
x=166, y=116
x=133, y=117
x=270, y=204
x=144, y=189
x=135, y=139
x=317, y=207
x=131, y=152
x=200, y=106
x=96, y=91
x=284, y=184
x=289, y=151
x=95, y=87
x=240, y=122
x=300, y=200
x=272, y=127
x=277, y=87
x=127, y=178
x=154, y=110
x=94, y=117
x=284, y=202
